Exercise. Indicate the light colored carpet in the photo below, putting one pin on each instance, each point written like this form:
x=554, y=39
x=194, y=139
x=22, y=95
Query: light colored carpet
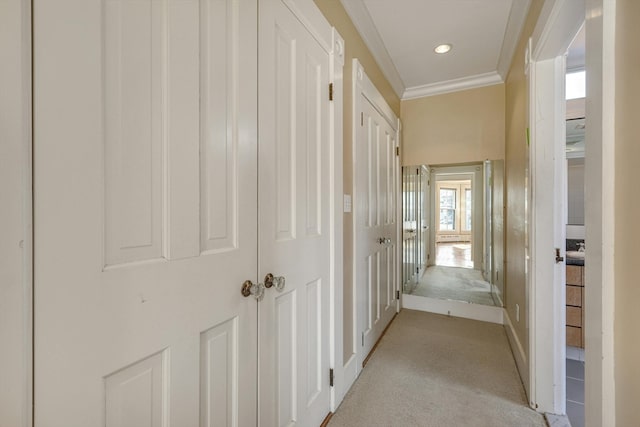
x=454, y=283
x=435, y=371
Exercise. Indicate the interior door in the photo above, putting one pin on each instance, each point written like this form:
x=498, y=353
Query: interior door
x=294, y=221
x=376, y=246
x=145, y=212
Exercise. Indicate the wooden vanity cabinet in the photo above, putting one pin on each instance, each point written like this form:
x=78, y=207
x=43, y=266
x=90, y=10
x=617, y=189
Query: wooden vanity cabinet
x=575, y=305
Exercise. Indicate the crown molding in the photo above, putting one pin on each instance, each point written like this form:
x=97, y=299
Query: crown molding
x=512, y=33
x=455, y=85
x=360, y=17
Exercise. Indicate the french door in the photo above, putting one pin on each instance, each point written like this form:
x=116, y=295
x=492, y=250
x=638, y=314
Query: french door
x=148, y=217
x=376, y=218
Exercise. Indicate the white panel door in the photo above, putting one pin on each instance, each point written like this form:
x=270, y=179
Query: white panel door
x=145, y=212
x=294, y=197
x=376, y=224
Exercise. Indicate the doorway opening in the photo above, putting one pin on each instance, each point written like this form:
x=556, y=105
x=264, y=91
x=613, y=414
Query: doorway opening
x=575, y=230
x=454, y=221
x=449, y=211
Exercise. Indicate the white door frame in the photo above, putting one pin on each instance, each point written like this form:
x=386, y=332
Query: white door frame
x=557, y=26
x=336, y=312
x=600, y=283
x=16, y=246
x=477, y=185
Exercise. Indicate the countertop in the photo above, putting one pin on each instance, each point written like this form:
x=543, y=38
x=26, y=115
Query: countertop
x=574, y=261
x=572, y=245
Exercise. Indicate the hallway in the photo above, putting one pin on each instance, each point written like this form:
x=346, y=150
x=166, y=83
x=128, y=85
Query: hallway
x=432, y=370
x=456, y=284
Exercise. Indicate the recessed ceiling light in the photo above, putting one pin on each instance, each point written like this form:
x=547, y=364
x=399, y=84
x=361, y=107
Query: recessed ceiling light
x=443, y=48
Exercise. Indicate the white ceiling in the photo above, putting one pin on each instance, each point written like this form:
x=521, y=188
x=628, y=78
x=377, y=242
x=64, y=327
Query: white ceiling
x=576, y=53
x=403, y=33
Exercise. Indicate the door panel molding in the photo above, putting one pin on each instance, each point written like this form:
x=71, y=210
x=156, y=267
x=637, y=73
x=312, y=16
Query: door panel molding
x=137, y=332
x=300, y=224
x=376, y=181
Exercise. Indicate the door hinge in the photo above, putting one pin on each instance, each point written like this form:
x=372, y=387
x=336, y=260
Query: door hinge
x=330, y=91
x=363, y=339
x=361, y=119
x=397, y=151
x=397, y=294
x=331, y=377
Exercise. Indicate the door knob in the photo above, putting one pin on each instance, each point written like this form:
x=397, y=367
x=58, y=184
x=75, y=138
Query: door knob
x=250, y=288
x=387, y=240
x=277, y=282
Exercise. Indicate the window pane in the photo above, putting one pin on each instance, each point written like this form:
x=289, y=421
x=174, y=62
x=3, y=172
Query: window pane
x=448, y=198
x=447, y=219
x=576, y=85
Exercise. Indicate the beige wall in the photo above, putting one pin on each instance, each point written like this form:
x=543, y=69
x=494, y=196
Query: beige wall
x=627, y=212
x=515, y=167
x=354, y=48
x=459, y=127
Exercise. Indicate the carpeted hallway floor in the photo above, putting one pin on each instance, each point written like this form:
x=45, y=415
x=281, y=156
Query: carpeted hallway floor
x=458, y=284
x=432, y=370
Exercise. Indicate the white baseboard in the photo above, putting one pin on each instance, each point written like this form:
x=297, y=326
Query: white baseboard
x=497, y=295
x=518, y=351
x=465, y=310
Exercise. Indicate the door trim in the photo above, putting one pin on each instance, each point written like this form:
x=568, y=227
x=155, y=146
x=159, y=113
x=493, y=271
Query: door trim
x=600, y=283
x=557, y=26
x=336, y=222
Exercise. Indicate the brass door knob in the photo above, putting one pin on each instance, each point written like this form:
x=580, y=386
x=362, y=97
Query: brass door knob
x=277, y=282
x=249, y=288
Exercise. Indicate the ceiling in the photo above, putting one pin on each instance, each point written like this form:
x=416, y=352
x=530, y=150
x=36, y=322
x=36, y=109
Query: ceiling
x=576, y=52
x=402, y=34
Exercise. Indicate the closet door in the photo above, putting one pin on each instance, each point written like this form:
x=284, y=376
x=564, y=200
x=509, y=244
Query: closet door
x=376, y=189
x=145, y=212
x=294, y=221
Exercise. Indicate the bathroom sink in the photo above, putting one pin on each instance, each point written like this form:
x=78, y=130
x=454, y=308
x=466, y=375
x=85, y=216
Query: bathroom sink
x=575, y=254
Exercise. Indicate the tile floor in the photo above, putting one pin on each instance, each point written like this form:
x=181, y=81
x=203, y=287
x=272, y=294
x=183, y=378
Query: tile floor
x=575, y=392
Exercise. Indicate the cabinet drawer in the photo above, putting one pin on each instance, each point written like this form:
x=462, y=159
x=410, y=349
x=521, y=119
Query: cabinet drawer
x=574, y=275
x=574, y=295
x=574, y=316
x=574, y=336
